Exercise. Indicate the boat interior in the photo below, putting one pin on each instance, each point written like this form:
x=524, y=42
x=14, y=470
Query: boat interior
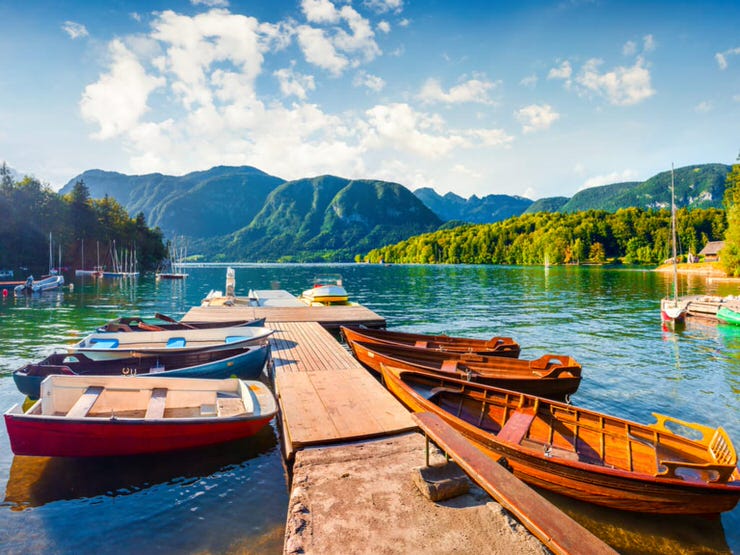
x=569, y=433
x=97, y=401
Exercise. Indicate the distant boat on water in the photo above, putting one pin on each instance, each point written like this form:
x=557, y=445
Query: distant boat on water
x=53, y=281
x=673, y=310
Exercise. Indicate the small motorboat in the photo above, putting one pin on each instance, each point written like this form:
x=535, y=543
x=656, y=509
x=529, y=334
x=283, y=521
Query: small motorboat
x=583, y=454
x=243, y=362
x=327, y=290
x=122, y=344
x=103, y=416
x=31, y=286
x=496, y=346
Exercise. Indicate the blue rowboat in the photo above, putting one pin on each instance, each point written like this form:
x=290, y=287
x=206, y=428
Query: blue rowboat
x=242, y=362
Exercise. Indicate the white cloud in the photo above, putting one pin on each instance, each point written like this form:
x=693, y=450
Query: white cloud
x=372, y=82
x=629, y=48
x=622, y=86
x=320, y=11
x=490, y=137
x=384, y=27
x=721, y=57
x=119, y=98
x=530, y=81
x=75, y=30
x=319, y=50
x=608, y=179
x=536, y=117
x=467, y=172
x=211, y=3
x=563, y=71
x=399, y=126
x=294, y=84
x=473, y=90
x=383, y=6
x=703, y=107
x=648, y=43
x=201, y=71
x=332, y=49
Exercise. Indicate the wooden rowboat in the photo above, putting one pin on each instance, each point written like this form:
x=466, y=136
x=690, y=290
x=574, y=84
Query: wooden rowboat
x=580, y=453
x=241, y=362
x=552, y=376
x=121, y=344
x=497, y=346
x=136, y=323
x=101, y=416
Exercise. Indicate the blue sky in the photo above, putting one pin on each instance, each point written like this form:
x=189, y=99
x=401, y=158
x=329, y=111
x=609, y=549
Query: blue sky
x=524, y=98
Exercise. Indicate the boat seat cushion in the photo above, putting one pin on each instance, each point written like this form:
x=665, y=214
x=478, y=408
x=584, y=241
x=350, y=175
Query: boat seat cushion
x=235, y=339
x=104, y=343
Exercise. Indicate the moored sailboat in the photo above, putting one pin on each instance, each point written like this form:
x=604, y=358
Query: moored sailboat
x=673, y=310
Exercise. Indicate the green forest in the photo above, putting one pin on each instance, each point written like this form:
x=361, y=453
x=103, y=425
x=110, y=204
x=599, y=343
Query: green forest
x=31, y=211
x=630, y=235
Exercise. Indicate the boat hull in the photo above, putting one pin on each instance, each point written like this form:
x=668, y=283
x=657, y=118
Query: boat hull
x=728, y=316
x=601, y=485
x=496, y=346
x=244, y=363
x=505, y=373
x=58, y=438
x=102, y=416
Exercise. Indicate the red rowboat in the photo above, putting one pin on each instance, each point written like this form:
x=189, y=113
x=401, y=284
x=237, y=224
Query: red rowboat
x=100, y=416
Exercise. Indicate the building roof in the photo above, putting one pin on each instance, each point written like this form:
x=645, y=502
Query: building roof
x=712, y=247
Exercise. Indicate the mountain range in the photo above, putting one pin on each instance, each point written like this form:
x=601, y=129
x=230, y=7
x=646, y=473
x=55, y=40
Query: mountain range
x=242, y=213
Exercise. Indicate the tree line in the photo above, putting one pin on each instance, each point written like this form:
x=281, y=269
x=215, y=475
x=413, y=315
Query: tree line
x=32, y=210
x=630, y=235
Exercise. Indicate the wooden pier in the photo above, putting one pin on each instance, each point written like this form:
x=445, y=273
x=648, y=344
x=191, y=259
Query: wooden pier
x=353, y=447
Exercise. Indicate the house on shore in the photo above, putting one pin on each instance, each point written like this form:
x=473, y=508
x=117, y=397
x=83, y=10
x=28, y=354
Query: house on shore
x=711, y=251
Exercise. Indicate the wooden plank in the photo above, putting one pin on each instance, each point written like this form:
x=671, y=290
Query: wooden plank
x=155, y=409
x=557, y=531
x=328, y=316
x=516, y=427
x=303, y=411
x=83, y=405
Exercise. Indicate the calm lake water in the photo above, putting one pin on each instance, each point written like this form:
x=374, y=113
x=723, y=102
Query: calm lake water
x=233, y=498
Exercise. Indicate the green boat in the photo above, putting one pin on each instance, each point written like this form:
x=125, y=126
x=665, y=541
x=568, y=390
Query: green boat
x=728, y=316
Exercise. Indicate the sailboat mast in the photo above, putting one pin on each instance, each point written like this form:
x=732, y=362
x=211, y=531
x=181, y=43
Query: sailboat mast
x=51, y=255
x=673, y=237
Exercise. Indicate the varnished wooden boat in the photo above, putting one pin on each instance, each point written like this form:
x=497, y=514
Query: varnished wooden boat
x=551, y=376
x=498, y=346
x=100, y=416
x=580, y=453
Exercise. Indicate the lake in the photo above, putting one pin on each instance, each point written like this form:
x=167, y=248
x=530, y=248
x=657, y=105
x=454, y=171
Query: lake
x=233, y=498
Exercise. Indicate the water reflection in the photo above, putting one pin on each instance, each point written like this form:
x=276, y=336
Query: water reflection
x=36, y=481
x=646, y=534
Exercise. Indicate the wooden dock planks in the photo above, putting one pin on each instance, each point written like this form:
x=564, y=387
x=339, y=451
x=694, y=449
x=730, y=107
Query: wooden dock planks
x=328, y=316
x=325, y=395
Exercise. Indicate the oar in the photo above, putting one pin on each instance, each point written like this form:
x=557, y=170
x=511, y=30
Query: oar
x=172, y=320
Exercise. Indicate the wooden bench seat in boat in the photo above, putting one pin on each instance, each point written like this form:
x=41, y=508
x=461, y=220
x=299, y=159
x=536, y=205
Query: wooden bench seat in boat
x=421, y=344
x=86, y=401
x=155, y=409
x=516, y=427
